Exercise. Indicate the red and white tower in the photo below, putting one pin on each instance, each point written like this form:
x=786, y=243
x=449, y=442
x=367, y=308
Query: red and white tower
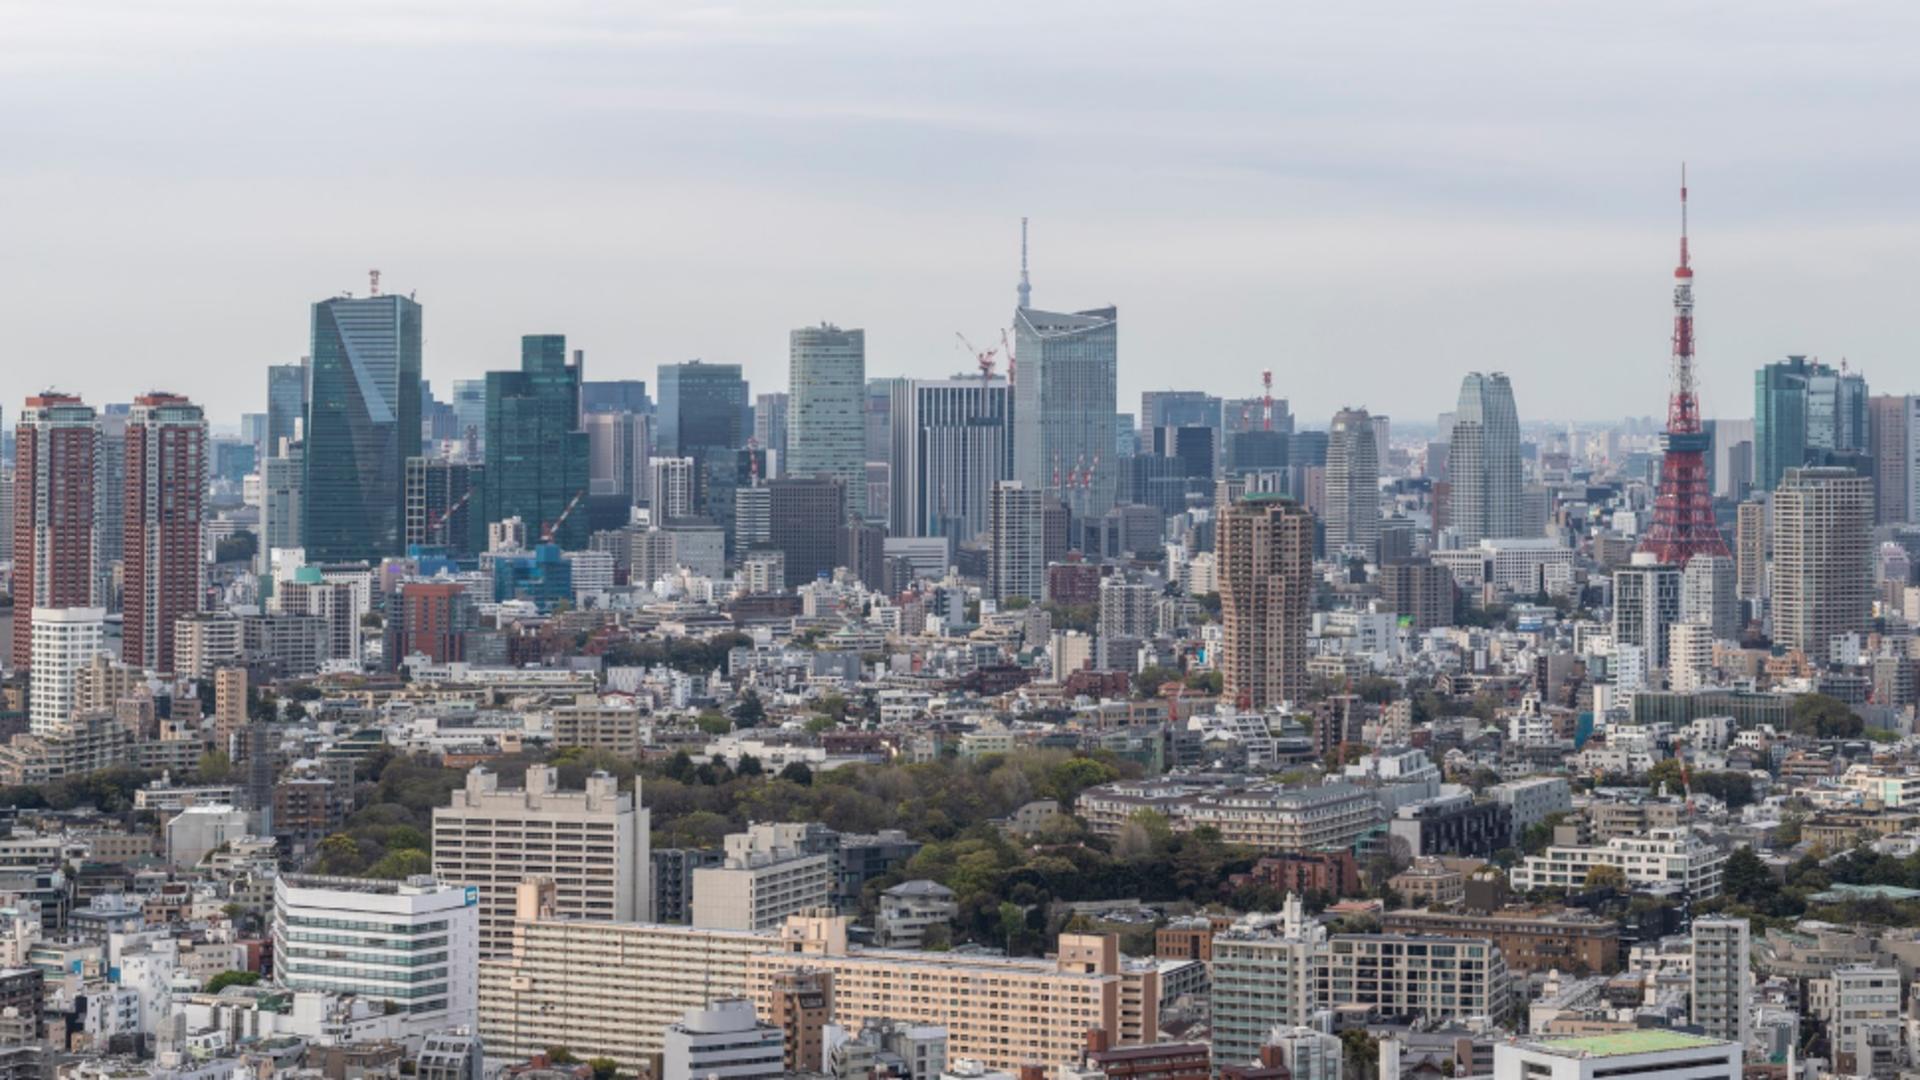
x=1683, y=514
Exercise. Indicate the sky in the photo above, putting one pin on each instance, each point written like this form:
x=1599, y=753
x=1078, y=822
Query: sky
x=1371, y=199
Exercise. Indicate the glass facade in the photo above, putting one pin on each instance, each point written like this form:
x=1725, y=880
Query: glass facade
x=286, y=404
x=1065, y=379
x=536, y=449
x=363, y=423
x=704, y=414
x=826, y=419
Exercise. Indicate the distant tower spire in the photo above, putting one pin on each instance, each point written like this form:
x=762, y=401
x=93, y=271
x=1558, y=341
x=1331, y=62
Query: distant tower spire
x=1026, y=287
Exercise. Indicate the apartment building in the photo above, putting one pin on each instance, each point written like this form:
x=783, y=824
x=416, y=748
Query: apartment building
x=1663, y=858
x=769, y=874
x=593, y=843
x=1722, y=990
x=1529, y=941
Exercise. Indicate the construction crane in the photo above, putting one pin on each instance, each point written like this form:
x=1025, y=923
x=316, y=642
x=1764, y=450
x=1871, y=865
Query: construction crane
x=547, y=534
x=985, y=358
x=439, y=526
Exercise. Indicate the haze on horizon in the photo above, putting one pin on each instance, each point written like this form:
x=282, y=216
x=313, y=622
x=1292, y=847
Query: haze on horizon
x=1372, y=200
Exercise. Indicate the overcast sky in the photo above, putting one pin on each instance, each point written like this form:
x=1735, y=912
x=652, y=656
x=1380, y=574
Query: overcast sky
x=1370, y=198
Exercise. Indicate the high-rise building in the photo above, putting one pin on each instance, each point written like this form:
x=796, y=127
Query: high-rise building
x=1709, y=594
x=363, y=423
x=1893, y=426
x=770, y=428
x=286, y=403
x=1750, y=550
x=1264, y=551
x=110, y=502
x=1723, y=978
x=1785, y=425
x=430, y=618
x=64, y=641
x=470, y=418
x=166, y=467
x=770, y=872
x=407, y=945
x=617, y=453
x=282, y=481
x=1353, y=485
x=536, y=450
x=593, y=843
x=1689, y=655
x=1483, y=464
x=1419, y=592
x=1017, y=565
x=1837, y=411
x=1065, y=380
x=56, y=543
x=804, y=518
x=1646, y=603
x=826, y=424
x=671, y=486
x=1822, y=558
x=703, y=415
x=952, y=441
x=447, y=505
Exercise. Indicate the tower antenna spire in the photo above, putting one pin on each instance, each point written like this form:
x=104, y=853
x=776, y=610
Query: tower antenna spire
x=1685, y=261
x=1025, y=290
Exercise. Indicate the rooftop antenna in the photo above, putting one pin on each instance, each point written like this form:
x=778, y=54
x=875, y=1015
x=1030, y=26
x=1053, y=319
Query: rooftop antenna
x=373, y=287
x=1026, y=286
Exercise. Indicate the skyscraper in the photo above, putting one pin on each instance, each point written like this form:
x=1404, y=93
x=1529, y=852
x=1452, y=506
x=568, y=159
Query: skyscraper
x=536, y=451
x=1646, y=604
x=1837, y=411
x=1780, y=417
x=805, y=514
x=1893, y=438
x=447, y=505
x=1483, y=464
x=1017, y=565
x=617, y=453
x=1353, y=485
x=110, y=502
x=1065, y=380
x=63, y=641
x=470, y=417
x=286, y=403
x=363, y=423
x=166, y=466
x=55, y=540
x=770, y=428
x=1709, y=594
x=1264, y=552
x=952, y=439
x=282, y=479
x=1750, y=550
x=703, y=415
x=826, y=423
x=1822, y=558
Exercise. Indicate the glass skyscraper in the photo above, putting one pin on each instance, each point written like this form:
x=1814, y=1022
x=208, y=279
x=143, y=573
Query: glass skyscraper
x=536, y=448
x=1484, y=461
x=826, y=420
x=286, y=404
x=363, y=423
x=1780, y=418
x=703, y=414
x=1065, y=384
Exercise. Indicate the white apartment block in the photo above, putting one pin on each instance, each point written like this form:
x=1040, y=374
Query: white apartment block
x=594, y=843
x=1722, y=991
x=65, y=640
x=409, y=945
x=768, y=875
x=1664, y=857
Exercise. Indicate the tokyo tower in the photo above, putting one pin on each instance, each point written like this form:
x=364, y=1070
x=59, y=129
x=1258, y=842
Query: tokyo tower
x=1683, y=514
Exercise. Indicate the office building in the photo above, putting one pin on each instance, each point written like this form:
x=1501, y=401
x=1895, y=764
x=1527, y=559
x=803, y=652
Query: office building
x=1722, y=993
x=1805, y=412
x=724, y=1041
x=1822, y=558
x=363, y=423
x=1265, y=552
x=1421, y=593
x=1483, y=464
x=286, y=404
x=110, y=502
x=770, y=873
x=617, y=454
x=702, y=415
x=408, y=945
x=536, y=450
x=951, y=441
x=1065, y=382
x=1644, y=1054
x=430, y=619
x=1750, y=550
x=826, y=417
x=1893, y=441
x=1353, y=486
x=166, y=483
x=671, y=488
x=55, y=539
x=1017, y=563
x=805, y=516
x=282, y=493
x=1646, y=602
x=1836, y=412
x=593, y=844
x=64, y=641
x=1865, y=1021
x=770, y=412
x=470, y=418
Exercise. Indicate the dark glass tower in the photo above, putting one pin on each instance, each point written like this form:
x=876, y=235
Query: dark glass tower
x=704, y=415
x=537, y=452
x=363, y=423
x=286, y=403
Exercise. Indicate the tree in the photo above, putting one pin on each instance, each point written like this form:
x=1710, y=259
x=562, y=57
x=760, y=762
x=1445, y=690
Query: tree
x=215, y=767
x=242, y=546
x=1603, y=876
x=1359, y=1053
x=560, y=1055
x=1823, y=717
x=231, y=978
x=798, y=773
x=1148, y=682
x=400, y=865
x=748, y=766
x=713, y=723
x=749, y=711
x=1746, y=878
x=604, y=1068
x=1666, y=774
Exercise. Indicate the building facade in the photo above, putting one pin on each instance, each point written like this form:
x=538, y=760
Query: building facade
x=363, y=423
x=1483, y=461
x=1066, y=380
x=406, y=944
x=166, y=478
x=1353, y=486
x=826, y=425
x=1265, y=552
x=56, y=542
x=1822, y=558
x=536, y=449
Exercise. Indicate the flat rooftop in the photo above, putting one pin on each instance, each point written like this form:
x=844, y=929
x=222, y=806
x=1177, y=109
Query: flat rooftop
x=1650, y=1041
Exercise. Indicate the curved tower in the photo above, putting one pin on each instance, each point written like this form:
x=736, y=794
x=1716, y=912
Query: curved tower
x=1683, y=523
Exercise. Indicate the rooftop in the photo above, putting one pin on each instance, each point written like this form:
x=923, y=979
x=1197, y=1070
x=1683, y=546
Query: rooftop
x=1650, y=1041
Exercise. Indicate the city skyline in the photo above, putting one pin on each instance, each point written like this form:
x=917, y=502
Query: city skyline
x=1277, y=202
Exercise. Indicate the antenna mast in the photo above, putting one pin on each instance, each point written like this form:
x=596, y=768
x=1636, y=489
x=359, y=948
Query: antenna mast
x=1025, y=290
